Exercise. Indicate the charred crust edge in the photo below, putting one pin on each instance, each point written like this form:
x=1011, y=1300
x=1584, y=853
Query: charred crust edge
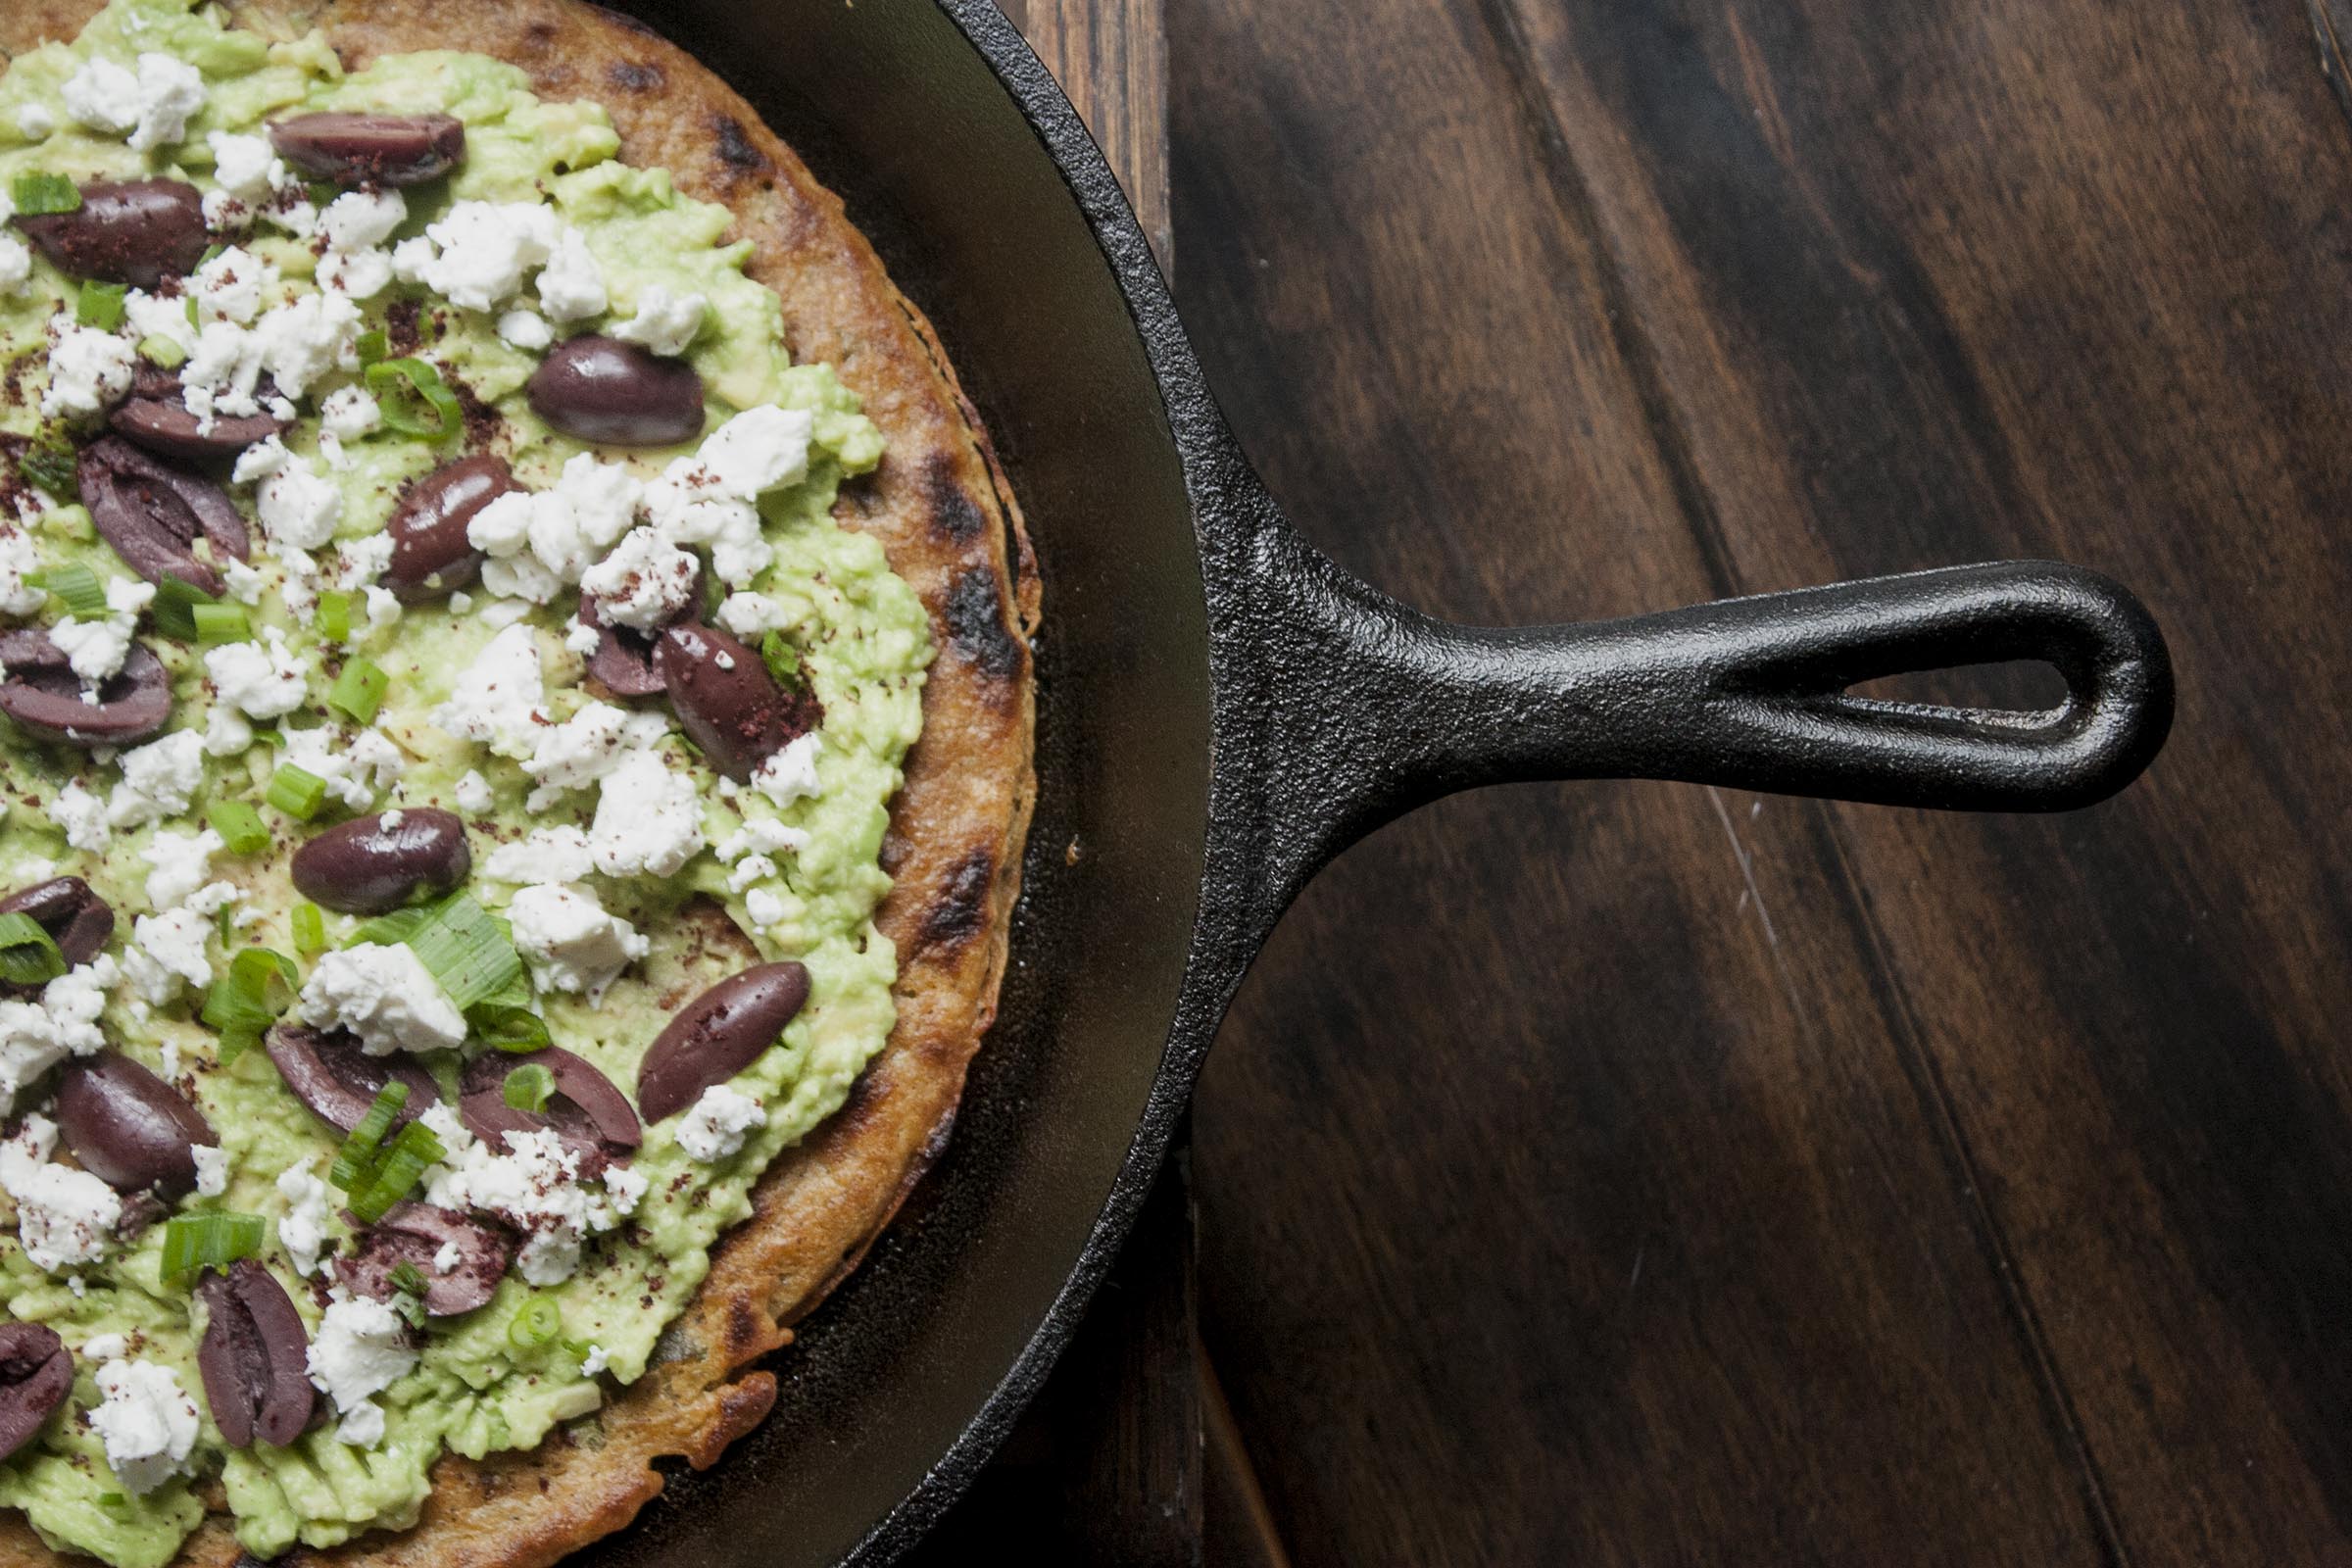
x=958, y=911
x=974, y=612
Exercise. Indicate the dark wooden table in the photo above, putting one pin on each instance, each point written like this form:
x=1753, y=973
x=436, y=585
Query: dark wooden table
x=1640, y=1174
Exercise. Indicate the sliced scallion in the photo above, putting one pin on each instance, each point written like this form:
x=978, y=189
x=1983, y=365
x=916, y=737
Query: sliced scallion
x=217, y=624
x=195, y=1241
x=357, y=1153
x=75, y=585
x=161, y=351
x=37, y=195
x=414, y=399
x=295, y=792
x=239, y=826
x=309, y=929
x=373, y=347
x=335, y=616
x=177, y=601
x=401, y=1168
x=101, y=305
x=28, y=955
x=359, y=691
x=51, y=465
x=535, y=1324
x=528, y=1087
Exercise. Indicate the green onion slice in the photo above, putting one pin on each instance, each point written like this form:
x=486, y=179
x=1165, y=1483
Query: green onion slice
x=76, y=584
x=528, y=1088
x=310, y=928
x=535, y=1324
x=50, y=464
x=217, y=624
x=177, y=601
x=100, y=304
x=401, y=1168
x=508, y=1026
x=359, y=691
x=28, y=955
x=374, y=348
x=335, y=616
x=407, y=1279
x=358, y=1153
x=37, y=195
x=783, y=660
x=195, y=1241
x=239, y=826
x=162, y=351
x=414, y=399
x=297, y=793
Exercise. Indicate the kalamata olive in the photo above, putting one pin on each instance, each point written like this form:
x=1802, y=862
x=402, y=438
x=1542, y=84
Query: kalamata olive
x=152, y=512
x=255, y=1358
x=415, y=1234
x=371, y=149
x=36, y=1372
x=127, y=1127
x=374, y=864
x=623, y=660
x=602, y=389
x=717, y=1035
x=163, y=425
x=135, y=232
x=726, y=700
x=328, y=1072
x=585, y=1110
x=41, y=693
x=430, y=553
x=77, y=918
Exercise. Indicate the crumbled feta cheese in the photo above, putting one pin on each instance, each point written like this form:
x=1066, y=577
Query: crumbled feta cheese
x=64, y=1217
x=260, y=461
x=480, y=250
x=752, y=616
x=756, y=451
x=166, y=948
x=570, y=942
x=649, y=819
x=306, y=339
x=564, y=529
x=103, y=95
x=502, y=526
x=383, y=608
x=94, y=649
x=171, y=92
x=18, y=556
x=644, y=583
x=364, y=560
x=748, y=870
x=625, y=1188
x=474, y=793
x=761, y=836
x=229, y=286
x=362, y=1349
x=526, y=330
x=158, y=779
x=595, y=1361
x=790, y=773
x=572, y=285
x=248, y=167
x=87, y=370
x=35, y=122
x=83, y=817
x=360, y=219
x=259, y=679
x=585, y=746
x=664, y=323
x=302, y=1231
x=179, y=864
x=147, y=1422
x=385, y=995
x=350, y=413
x=16, y=263
x=104, y=1347
x=536, y=1187
x=546, y=854
x=35, y=1037
x=582, y=638
x=496, y=701
x=718, y=1123
x=355, y=775
x=225, y=731
x=299, y=506
x=763, y=908
x=212, y=1170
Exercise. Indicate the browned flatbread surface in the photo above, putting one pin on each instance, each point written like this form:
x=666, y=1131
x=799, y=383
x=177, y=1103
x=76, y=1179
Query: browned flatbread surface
x=948, y=523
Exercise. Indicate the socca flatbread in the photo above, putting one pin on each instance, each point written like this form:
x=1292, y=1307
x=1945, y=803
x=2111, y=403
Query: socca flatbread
x=946, y=521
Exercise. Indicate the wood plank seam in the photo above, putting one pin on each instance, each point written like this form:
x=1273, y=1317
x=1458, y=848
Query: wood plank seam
x=1673, y=439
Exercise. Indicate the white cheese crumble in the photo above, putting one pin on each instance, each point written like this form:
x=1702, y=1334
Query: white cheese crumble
x=478, y=252
x=36, y=1035
x=299, y=506
x=64, y=1217
x=540, y=541
x=385, y=995
x=158, y=779
x=536, y=1187
x=644, y=583
x=473, y=793
x=360, y=219
x=212, y=1170
x=649, y=819
x=229, y=286
x=586, y=747
x=545, y=855
x=350, y=413
x=82, y=815
x=496, y=701
x=666, y=323
x=718, y=1123
x=259, y=679
x=752, y=616
x=354, y=775
x=362, y=1349
x=569, y=940
x=87, y=369
x=170, y=947
x=104, y=1347
x=526, y=330
x=147, y=1422
x=18, y=556
x=152, y=107
x=178, y=864
x=572, y=286
x=789, y=774
x=302, y=1231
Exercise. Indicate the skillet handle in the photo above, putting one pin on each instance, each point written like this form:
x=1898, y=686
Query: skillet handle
x=1357, y=709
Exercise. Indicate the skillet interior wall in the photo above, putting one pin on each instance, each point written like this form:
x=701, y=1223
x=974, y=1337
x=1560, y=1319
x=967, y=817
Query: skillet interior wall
x=895, y=114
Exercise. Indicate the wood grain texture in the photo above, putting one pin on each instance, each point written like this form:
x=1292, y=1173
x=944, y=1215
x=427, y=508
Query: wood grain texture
x=1636, y=1174
x=1110, y=56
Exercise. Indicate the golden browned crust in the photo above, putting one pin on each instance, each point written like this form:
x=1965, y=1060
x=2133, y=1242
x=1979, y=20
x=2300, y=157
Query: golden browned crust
x=949, y=525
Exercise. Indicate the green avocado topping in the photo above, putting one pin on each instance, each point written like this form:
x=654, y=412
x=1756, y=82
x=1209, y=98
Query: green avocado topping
x=302, y=699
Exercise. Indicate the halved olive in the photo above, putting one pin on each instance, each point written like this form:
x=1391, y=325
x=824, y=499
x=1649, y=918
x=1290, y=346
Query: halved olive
x=255, y=1358
x=604, y=390
x=76, y=918
x=42, y=692
x=338, y=1081
x=726, y=700
x=585, y=1110
x=374, y=864
x=431, y=556
x=415, y=1234
x=371, y=149
x=36, y=1371
x=163, y=425
x=135, y=232
x=152, y=512
x=127, y=1127
x=717, y=1035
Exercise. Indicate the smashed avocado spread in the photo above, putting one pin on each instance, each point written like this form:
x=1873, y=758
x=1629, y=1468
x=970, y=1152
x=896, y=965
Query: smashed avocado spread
x=421, y=613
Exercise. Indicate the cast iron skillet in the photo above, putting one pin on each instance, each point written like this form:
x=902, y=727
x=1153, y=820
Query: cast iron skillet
x=1223, y=710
